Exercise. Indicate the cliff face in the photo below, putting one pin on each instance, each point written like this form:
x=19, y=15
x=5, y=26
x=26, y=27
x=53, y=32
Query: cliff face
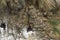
x=24, y=19
x=20, y=14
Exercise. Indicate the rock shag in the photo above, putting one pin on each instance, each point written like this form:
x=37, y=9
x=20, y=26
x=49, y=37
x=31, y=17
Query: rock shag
x=3, y=25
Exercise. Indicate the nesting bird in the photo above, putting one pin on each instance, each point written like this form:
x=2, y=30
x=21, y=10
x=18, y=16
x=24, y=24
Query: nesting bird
x=2, y=29
x=26, y=32
x=3, y=25
x=29, y=29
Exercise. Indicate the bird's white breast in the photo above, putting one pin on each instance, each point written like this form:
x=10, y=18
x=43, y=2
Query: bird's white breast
x=26, y=34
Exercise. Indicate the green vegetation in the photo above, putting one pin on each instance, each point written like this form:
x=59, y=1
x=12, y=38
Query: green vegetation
x=55, y=23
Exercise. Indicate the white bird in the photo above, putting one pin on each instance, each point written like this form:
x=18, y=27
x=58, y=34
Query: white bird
x=25, y=33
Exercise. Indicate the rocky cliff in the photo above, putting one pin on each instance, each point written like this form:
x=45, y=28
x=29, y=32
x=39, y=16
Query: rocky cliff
x=18, y=15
